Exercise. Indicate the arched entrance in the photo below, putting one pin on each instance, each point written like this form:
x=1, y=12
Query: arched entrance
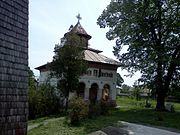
x=106, y=92
x=93, y=93
x=81, y=88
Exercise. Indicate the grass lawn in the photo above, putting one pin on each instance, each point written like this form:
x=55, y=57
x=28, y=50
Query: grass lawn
x=130, y=110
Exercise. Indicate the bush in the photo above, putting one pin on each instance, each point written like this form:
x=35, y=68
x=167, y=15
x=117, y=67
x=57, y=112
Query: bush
x=148, y=104
x=78, y=110
x=94, y=110
x=105, y=106
x=170, y=107
x=136, y=93
x=100, y=108
x=44, y=100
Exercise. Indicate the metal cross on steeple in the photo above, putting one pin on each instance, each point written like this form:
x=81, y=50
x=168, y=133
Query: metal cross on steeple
x=78, y=17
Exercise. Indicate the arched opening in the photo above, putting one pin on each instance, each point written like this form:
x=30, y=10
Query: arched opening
x=93, y=93
x=106, y=92
x=81, y=88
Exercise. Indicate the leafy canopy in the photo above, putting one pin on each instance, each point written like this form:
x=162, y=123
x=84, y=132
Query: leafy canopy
x=120, y=80
x=68, y=63
x=150, y=30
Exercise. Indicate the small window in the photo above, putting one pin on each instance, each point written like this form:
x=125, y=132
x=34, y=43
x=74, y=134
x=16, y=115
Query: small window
x=111, y=75
x=88, y=72
x=95, y=73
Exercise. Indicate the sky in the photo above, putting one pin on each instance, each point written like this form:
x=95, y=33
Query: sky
x=50, y=19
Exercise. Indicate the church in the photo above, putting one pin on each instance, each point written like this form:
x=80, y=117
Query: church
x=99, y=81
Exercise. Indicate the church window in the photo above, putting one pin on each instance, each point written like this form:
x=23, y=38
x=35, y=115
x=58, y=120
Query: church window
x=88, y=72
x=106, y=74
x=95, y=73
x=81, y=88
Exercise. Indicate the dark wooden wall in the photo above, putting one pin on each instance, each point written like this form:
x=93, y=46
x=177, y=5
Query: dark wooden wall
x=13, y=67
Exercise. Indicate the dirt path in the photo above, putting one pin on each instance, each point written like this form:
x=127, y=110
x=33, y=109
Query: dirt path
x=31, y=126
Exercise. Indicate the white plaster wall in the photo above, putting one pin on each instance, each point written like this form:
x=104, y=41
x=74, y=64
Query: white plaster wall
x=45, y=77
x=88, y=80
x=101, y=81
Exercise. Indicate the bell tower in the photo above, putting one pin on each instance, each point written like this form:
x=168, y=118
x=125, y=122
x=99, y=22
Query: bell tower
x=80, y=31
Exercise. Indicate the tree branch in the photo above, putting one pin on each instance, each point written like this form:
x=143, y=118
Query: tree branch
x=172, y=67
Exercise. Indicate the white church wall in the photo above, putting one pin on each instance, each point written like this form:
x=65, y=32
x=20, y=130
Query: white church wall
x=109, y=77
x=46, y=78
x=89, y=79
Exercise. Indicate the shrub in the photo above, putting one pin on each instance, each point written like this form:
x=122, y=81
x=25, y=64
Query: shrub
x=105, y=106
x=148, y=104
x=170, y=107
x=94, y=110
x=136, y=93
x=78, y=110
x=44, y=100
x=99, y=108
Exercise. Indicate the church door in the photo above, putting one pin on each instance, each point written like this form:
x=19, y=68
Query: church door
x=93, y=93
x=81, y=88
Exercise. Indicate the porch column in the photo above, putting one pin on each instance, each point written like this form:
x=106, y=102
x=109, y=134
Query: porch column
x=86, y=93
x=113, y=91
x=99, y=94
x=113, y=95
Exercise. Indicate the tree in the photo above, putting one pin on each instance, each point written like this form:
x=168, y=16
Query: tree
x=68, y=64
x=150, y=30
x=31, y=93
x=125, y=88
x=31, y=80
x=43, y=99
x=119, y=80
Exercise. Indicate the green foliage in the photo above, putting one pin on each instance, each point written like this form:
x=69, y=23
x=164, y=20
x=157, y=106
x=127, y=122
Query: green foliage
x=78, y=110
x=125, y=88
x=119, y=80
x=136, y=92
x=43, y=100
x=68, y=64
x=128, y=111
x=105, y=107
x=175, y=91
x=94, y=110
x=100, y=108
x=149, y=28
x=32, y=94
x=31, y=80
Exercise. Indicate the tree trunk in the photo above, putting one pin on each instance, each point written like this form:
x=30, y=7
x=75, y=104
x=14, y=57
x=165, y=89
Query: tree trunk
x=163, y=89
x=160, y=106
x=67, y=99
x=66, y=106
x=160, y=91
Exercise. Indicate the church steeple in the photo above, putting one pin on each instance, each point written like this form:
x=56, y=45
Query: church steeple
x=78, y=17
x=80, y=31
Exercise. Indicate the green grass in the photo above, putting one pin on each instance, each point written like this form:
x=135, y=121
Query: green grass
x=130, y=110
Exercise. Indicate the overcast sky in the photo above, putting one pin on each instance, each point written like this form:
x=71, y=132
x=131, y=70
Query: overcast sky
x=50, y=19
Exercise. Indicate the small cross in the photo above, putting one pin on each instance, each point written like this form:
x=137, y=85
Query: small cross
x=78, y=17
